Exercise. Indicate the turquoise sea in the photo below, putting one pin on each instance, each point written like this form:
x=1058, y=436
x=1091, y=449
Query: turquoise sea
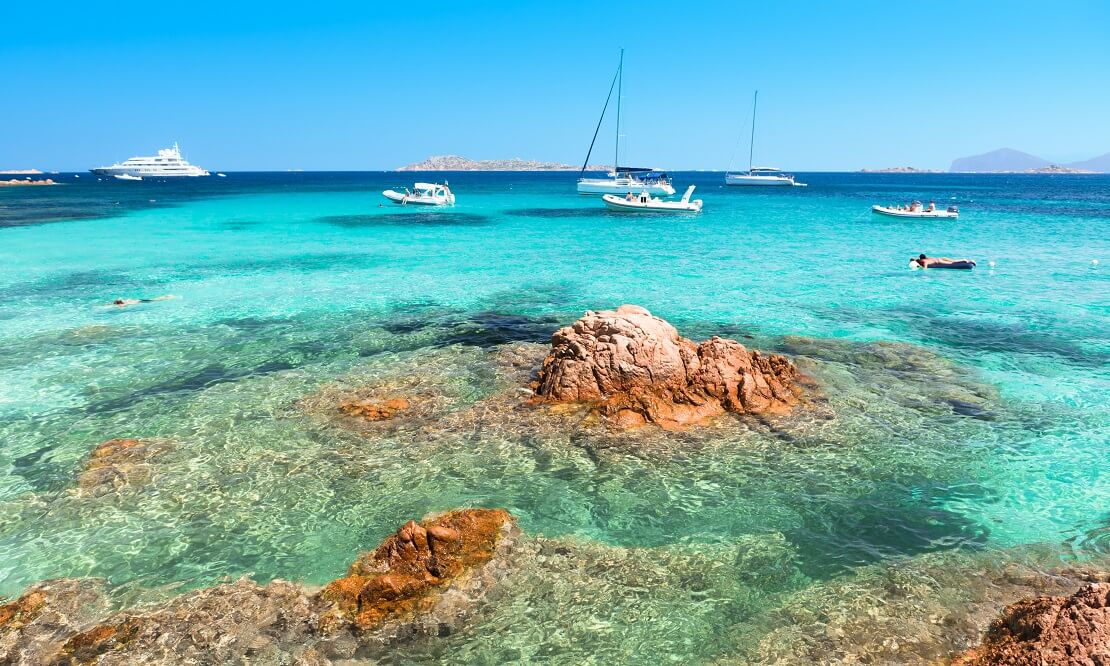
x=963, y=421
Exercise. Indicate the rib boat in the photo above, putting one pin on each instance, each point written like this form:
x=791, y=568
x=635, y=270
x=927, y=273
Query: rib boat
x=645, y=203
x=621, y=179
x=916, y=210
x=423, y=194
x=167, y=164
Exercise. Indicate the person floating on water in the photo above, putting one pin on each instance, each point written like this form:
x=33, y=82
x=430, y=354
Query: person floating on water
x=124, y=302
x=922, y=261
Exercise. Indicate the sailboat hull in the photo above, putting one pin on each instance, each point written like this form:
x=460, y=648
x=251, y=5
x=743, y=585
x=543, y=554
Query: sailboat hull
x=623, y=186
x=759, y=181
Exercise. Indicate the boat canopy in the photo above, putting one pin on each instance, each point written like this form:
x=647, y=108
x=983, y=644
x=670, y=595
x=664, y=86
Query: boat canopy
x=765, y=170
x=621, y=169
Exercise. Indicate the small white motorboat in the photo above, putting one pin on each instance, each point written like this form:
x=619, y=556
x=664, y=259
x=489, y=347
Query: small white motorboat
x=424, y=194
x=645, y=203
x=916, y=210
x=127, y=176
x=222, y=175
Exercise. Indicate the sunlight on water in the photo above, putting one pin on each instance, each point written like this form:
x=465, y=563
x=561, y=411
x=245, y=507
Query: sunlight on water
x=962, y=420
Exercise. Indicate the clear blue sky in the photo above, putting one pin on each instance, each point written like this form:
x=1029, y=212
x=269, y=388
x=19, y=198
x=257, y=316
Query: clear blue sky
x=366, y=85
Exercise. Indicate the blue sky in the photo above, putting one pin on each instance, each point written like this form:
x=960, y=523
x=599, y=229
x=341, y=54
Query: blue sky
x=370, y=85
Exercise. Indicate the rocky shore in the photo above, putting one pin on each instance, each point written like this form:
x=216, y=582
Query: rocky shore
x=15, y=182
x=421, y=581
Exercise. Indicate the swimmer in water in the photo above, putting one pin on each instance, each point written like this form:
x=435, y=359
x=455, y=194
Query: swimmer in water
x=124, y=302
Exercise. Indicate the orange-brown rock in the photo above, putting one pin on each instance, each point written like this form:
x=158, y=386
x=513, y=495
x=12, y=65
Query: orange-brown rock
x=405, y=573
x=22, y=610
x=374, y=411
x=634, y=368
x=1049, y=631
x=117, y=463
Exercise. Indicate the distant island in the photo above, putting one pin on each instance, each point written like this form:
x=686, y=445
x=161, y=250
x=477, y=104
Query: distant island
x=1008, y=160
x=457, y=163
x=901, y=169
x=23, y=183
x=20, y=172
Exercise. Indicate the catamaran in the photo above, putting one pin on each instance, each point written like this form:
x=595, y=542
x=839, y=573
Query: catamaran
x=760, y=176
x=168, y=163
x=622, y=180
x=425, y=194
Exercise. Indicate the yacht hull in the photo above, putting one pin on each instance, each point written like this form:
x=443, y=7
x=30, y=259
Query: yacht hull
x=623, y=186
x=146, y=173
x=759, y=181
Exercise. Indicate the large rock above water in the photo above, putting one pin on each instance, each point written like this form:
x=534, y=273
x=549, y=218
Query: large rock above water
x=1049, y=631
x=635, y=368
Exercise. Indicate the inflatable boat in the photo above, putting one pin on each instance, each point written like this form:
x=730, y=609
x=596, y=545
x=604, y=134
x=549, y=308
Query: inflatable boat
x=645, y=203
x=915, y=209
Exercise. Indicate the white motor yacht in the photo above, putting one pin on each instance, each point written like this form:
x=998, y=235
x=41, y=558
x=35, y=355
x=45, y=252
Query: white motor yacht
x=645, y=203
x=423, y=194
x=915, y=209
x=759, y=176
x=167, y=164
x=621, y=179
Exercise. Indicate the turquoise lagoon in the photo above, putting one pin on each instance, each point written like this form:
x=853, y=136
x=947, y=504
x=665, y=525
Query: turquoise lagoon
x=964, y=415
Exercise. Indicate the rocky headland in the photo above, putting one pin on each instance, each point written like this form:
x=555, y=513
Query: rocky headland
x=457, y=163
x=634, y=368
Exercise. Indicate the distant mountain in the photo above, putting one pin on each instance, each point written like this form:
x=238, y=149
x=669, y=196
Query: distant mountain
x=456, y=163
x=1100, y=164
x=1003, y=159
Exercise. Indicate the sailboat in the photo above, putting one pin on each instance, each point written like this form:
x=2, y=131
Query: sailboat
x=622, y=180
x=760, y=176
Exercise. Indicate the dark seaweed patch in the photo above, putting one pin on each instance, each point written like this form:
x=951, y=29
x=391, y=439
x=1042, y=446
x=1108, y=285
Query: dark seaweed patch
x=206, y=377
x=561, y=212
x=853, y=532
x=422, y=218
x=970, y=409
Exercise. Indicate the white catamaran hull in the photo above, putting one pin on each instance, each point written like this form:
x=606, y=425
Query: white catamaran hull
x=895, y=212
x=623, y=186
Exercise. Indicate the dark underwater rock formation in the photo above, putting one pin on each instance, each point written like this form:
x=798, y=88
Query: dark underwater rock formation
x=1049, y=631
x=634, y=368
x=423, y=580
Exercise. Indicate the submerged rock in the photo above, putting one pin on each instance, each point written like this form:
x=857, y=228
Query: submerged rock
x=119, y=463
x=423, y=580
x=373, y=410
x=1049, y=631
x=634, y=368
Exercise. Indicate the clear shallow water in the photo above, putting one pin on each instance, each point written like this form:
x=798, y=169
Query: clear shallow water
x=969, y=410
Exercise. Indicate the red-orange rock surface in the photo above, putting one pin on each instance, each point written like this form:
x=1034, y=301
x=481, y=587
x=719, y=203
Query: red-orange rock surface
x=119, y=463
x=634, y=368
x=406, y=571
x=1049, y=631
x=374, y=411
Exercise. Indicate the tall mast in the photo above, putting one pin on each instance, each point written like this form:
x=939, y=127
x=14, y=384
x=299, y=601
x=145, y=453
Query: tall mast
x=751, y=149
x=602, y=118
x=620, y=84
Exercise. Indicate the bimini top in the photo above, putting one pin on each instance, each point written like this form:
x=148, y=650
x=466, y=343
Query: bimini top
x=425, y=186
x=621, y=169
x=764, y=170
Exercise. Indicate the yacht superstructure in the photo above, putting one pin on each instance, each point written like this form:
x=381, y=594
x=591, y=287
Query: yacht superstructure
x=168, y=163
